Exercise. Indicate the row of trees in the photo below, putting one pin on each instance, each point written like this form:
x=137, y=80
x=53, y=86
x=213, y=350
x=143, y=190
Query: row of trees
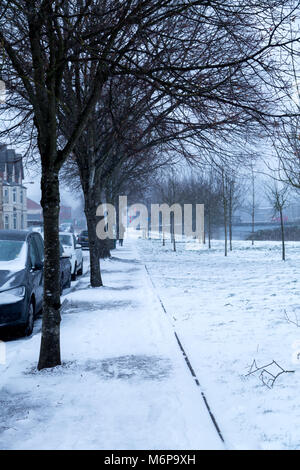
x=116, y=89
x=224, y=193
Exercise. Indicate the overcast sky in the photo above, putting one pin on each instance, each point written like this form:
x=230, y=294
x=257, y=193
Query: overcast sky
x=34, y=190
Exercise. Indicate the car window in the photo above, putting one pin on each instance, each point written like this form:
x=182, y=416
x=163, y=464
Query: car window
x=34, y=255
x=40, y=246
x=10, y=249
x=66, y=240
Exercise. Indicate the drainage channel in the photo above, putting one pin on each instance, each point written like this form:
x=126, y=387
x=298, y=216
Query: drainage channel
x=188, y=363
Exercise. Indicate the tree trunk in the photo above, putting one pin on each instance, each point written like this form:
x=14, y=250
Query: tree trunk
x=209, y=228
x=252, y=227
x=95, y=272
x=230, y=218
x=282, y=234
x=225, y=214
x=104, y=247
x=50, y=342
x=173, y=230
x=253, y=208
x=225, y=227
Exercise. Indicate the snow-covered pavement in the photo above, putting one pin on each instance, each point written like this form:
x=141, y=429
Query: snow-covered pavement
x=227, y=313
x=124, y=383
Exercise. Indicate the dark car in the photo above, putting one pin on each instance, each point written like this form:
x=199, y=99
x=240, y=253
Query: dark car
x=21, y=278
x=83, y=239
x=65, y=270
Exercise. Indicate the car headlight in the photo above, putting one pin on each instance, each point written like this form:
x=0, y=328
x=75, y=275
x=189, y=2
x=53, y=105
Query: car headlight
x=12, y=295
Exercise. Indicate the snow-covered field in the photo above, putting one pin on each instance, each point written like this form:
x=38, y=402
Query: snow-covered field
x=227, y=313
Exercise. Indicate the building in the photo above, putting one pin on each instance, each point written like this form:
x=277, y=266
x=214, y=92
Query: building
x=13, y=211
x=35, y=214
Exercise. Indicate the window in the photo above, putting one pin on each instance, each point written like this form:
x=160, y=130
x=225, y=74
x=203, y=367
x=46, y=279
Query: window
x=15, y=219
x=21, y=196
x=66, y=240
x=10, y=249
x=15, y=195
x=5, y=196
x=34, y=255
x=40, y=246
x=22, y=221
x=6, y=222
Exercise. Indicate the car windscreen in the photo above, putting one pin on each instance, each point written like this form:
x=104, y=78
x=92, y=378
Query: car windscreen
x=65, y=240
x=10, y=250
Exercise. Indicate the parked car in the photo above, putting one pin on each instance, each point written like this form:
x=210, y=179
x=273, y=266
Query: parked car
x=21, y=278
x=66, y=228
x=65, y=270
x=38, y=229
x=83, y=239
x=74, y=250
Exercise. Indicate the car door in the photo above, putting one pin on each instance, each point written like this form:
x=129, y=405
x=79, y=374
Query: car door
x=36, y=271
x=40, y=246
x=78, y=252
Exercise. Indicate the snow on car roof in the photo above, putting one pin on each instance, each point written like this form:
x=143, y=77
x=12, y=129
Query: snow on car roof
x=20, y=235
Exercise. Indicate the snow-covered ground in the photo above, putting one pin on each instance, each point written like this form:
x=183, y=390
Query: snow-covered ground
x=227, y=313
x=124, y=383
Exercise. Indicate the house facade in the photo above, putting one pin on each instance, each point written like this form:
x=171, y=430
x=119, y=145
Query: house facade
x=13, y=211
x=35, y=214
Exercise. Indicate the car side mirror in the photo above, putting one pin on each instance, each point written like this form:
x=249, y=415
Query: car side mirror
x=38, y=266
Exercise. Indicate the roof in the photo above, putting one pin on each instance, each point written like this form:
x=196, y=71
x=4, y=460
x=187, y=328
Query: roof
x=11, y=159
x=32, y=217
x=19, y=235
x=32, y=205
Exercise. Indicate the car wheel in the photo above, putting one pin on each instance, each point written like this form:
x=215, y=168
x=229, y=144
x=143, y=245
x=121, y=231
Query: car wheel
x=80, y=271
x=61, y=283
x=75, y=273
x=68, y=284
x=30, y=320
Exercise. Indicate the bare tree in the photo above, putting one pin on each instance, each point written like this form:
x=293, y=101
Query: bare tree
x=38, y=39
x=253, y=203
x=213, y=56
x=225, y=209
x=235, y=196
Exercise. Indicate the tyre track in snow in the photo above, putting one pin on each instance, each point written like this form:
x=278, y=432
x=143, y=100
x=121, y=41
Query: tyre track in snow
x=187, y=361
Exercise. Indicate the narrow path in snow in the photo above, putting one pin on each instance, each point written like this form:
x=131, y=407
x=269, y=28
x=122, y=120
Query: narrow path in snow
x=188, y=363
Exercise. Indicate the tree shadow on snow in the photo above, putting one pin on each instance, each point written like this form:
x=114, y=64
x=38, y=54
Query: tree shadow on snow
x=129, y=367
